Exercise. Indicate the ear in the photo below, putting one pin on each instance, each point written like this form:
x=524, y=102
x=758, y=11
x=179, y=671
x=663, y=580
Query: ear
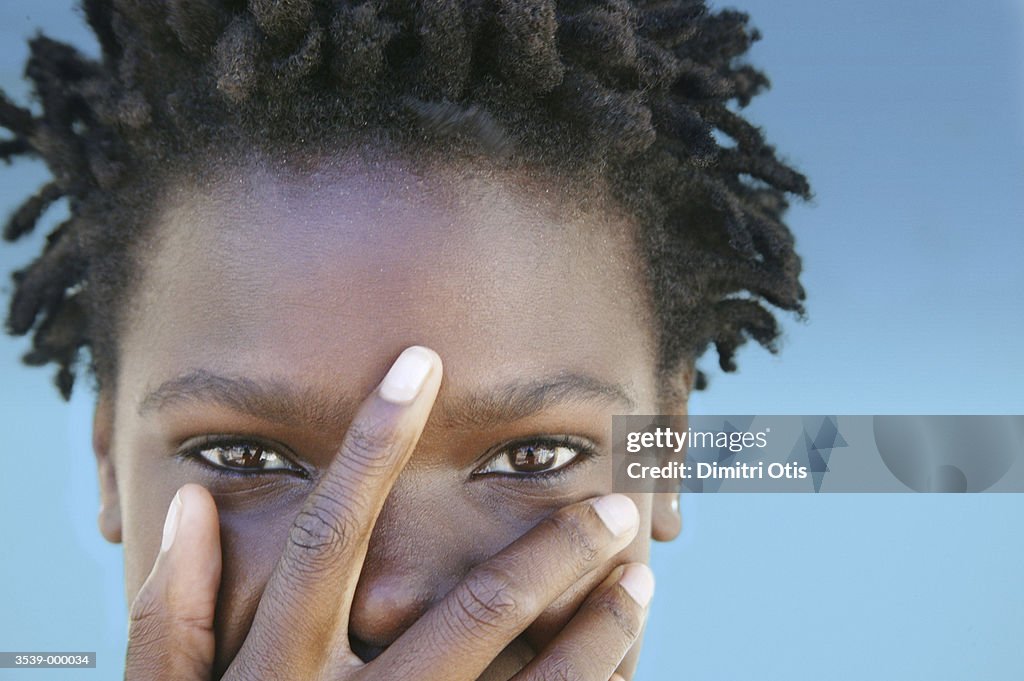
x=666, y=519
x=110, y=500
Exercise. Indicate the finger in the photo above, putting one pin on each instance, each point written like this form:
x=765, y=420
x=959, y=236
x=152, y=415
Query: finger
x=170, y=629
x=593, y=643
x=617, y=677
x=501, y=597
x=309, y=594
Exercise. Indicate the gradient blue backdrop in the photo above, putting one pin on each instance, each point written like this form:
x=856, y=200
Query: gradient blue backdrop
x=909, y=118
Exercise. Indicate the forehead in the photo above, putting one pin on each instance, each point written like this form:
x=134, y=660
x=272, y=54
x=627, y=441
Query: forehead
x=325, y=275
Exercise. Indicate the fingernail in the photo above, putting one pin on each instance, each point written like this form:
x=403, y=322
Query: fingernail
x=407, y=375
x=171, y=523
x=618, y=513
x=638, y=581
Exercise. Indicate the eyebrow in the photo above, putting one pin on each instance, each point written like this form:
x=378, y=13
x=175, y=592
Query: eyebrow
x=281, y=402
x=268, y=399
x=518, y=400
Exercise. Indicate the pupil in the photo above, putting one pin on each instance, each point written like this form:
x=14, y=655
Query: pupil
x=245, y=456
x=532, y=459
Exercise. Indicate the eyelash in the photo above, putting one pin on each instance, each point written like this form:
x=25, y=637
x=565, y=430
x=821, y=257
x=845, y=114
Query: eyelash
x=193, y=452
x=585, y=451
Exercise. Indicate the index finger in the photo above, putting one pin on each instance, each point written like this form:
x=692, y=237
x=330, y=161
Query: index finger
x=311, y=589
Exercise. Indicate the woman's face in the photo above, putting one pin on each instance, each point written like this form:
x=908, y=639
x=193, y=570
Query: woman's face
x=272, y=302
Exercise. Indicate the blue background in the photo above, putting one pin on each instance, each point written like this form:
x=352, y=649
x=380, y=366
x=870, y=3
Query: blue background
x=909, y=119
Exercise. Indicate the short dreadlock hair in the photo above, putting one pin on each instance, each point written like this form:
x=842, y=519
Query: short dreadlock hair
x=643, y=94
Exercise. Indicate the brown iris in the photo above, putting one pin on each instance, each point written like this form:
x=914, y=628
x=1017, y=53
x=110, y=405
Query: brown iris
x=533, y=458
x=244, y=456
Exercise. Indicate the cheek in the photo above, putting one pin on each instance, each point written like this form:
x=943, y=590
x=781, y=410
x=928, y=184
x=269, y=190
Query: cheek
x=253, y=533
x=252, y=541
x=144, y=501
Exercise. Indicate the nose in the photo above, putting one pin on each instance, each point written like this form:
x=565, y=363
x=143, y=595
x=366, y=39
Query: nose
x=413, y=559
x=385, y=605
x=430, y=533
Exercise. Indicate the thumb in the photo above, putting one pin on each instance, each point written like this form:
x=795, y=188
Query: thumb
x=170, y=628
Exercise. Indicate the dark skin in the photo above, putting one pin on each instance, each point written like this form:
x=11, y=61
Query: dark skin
x=273, y=301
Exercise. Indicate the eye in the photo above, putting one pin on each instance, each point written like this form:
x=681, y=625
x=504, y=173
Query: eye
x=244, y=457
x=533, y=458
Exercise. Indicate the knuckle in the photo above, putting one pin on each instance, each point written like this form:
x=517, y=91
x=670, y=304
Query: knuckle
x=314, y=533
x=369, y=443
x=486, y=599
x=159, y=637
x=146, y=608
x=622, y=612
x=146, y=618
x=558, y=666
x=584, y=546
x=319, y=534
